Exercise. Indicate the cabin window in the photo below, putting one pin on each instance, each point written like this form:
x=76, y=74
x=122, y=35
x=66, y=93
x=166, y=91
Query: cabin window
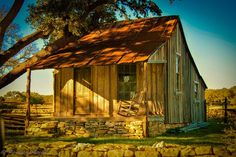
x=177, y=70
x=126, y=81
x=196, y=90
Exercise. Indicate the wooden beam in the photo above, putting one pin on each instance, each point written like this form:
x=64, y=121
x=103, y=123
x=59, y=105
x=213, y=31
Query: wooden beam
x=157, y=61
x=27, y=118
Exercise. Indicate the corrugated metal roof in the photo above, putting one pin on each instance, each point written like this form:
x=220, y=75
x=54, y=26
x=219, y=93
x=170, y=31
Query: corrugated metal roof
x=124, y=42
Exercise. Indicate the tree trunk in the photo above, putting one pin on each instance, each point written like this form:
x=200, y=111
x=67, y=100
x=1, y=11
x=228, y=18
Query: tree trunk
x=21, y=68
x=6, y=55
x=27, y=117
x=9, y=18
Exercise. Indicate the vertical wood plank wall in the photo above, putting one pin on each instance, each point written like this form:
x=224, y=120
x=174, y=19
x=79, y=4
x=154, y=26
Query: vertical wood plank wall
x=70, y=92
x=155, y=88
x=181, y=106
x=103, y=99
x=101, y=90
x=64, y=92
x=156, y=74
x=82, y=91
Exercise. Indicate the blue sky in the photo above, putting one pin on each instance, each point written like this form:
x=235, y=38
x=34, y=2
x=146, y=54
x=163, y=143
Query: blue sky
x=210, y=30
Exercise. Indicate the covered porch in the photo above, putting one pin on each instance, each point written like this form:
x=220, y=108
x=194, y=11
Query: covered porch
x=99, y=91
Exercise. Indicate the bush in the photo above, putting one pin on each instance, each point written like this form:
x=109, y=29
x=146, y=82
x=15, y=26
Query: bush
x=35, y=98
x=13, y=96
x=2, y=99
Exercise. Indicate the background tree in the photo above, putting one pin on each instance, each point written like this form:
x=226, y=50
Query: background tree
x=35, y=98
x=217, y=96
x=66, y=21
x=13, y=96
x=16, y=96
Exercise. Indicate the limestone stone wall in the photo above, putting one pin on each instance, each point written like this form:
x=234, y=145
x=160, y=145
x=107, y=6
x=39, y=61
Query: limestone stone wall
x=99, y=127
x=90, y=128
x=73, y=149
x=156, y=126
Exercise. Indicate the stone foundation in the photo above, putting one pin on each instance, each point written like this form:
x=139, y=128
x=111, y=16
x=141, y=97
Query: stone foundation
x=90, y=128
x=100, y=127
x=73, y=149
x=156, y=126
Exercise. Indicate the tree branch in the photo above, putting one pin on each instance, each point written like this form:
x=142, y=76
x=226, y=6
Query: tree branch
x=94, y=6
x=9, y=18
x=21, y=68
x=122, y=11
x=20, y=44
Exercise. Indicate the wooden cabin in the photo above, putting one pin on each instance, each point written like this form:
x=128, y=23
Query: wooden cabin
x=94, y=75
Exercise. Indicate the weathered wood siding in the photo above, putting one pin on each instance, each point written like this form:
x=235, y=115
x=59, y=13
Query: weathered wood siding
x=156, y=82
x=92, y=91
x=84, y=91
x=181, y=104
x=155, y=90
x=64, y=92
x=101, y=89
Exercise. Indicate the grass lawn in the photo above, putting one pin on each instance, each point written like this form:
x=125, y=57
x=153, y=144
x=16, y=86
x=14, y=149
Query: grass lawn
x=211, y=135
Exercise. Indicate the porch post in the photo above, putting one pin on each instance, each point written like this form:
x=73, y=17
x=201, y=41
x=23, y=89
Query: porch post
x=145, y=85
x=27, y=117
x=145, y=97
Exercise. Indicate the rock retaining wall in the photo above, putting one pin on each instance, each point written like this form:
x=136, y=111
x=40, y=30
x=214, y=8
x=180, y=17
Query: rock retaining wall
x=73, y=149
x=98, y=127
x=90, y=128
x=156, y=126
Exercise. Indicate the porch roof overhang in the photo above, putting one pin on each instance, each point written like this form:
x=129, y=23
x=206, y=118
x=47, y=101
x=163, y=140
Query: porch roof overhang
x=124, y=42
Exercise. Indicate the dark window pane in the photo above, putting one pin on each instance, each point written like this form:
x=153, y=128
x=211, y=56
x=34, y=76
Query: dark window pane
x=122, y=87
x=133, y=69
x=126, y=81
x=133, y=86
x=132, y=78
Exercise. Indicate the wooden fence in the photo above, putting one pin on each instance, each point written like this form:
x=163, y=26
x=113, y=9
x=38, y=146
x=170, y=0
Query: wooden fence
x=223, y=110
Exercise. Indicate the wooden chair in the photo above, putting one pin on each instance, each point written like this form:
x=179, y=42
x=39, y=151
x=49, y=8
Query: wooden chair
x=131, y=108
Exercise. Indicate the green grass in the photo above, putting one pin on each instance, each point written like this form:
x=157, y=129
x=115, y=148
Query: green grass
x=211, y=135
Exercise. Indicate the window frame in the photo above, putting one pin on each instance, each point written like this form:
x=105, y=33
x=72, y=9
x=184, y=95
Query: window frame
x=128, y=71
x=178, y=87
x=196, y=91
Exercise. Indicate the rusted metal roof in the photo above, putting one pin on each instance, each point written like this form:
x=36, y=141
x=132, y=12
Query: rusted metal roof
x=124, y=42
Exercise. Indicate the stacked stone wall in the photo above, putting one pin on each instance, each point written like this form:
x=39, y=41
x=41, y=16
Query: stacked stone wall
x=156, y=126
x=73, y=149
x=89, y=128
x=98, y=127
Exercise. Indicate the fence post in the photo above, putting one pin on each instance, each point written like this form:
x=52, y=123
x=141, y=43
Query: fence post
x=205, y=111
x=2, y=136
x=226, y=115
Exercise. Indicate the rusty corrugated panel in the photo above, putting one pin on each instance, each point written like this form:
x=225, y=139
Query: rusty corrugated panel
x=124, y=42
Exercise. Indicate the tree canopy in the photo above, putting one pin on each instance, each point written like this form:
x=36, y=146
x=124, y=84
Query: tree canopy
x=78, y=17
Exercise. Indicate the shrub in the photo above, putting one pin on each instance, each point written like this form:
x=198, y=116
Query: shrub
x=35, y=98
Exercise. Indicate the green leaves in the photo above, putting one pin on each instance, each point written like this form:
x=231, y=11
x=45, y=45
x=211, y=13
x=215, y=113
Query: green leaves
x=78, y=17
